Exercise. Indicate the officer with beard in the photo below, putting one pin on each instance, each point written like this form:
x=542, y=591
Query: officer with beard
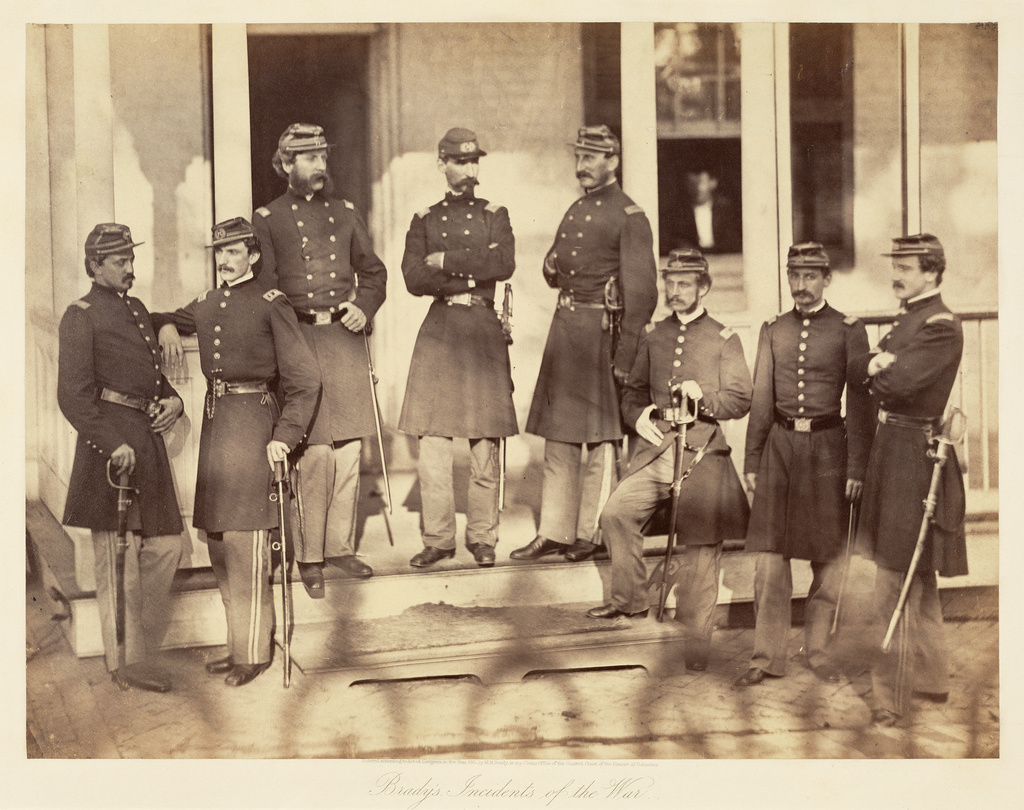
x=317, y=251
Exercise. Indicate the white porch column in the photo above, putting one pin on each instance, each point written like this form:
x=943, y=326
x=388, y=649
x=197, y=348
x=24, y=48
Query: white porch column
x=910, y=111
x=94, y=132
x=232, y=164
x=767, y=178
x=640, y=119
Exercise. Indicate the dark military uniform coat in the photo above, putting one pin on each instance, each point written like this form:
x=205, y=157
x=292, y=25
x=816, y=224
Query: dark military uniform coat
x=603, y=235
x=246, y=335
x=109, y=342
x=318, y=252
x=800, y=508
x=712, y=504
x=460, y=381
x=928, y=342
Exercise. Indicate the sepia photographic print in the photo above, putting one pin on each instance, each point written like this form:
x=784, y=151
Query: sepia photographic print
x=486, y=407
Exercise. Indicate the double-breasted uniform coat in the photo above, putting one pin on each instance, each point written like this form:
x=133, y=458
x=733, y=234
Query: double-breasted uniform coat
x=108, y=342
x=460, y=379
x=912, y=393
x=318, y=252
x=247, y=337
x=603, y=235
x=712, y=503
x=803, y=453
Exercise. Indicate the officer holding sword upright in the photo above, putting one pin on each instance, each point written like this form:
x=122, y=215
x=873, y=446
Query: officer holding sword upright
x=690, y=356
x=247, y=337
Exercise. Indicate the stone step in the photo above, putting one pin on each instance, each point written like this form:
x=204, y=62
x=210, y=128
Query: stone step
x=198, y=614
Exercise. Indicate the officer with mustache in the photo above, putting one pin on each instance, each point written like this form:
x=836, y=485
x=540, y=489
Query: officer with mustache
x=604, y=236
x=317, y=251
x=111, y=388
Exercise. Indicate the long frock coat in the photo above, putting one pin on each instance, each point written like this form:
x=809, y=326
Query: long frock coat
x=712, y=504
x=603, y=235
x=803, y=359
x=246, y=335
x=107, y=341
x=928, y=342
x=318, y=253
x=460, y=380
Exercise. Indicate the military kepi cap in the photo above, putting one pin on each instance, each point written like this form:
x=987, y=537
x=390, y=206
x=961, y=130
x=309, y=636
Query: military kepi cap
x=685, y=260
x=459, y=143
x=920, y=244
x=303, y=138
x=807, y=254
x=597, y=139
x=231, y=230
x=107, y=238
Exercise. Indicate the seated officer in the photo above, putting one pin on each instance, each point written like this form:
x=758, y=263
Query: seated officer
x=693, y=352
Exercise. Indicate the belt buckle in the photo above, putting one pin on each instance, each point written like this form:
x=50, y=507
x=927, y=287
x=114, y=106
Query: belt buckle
x=883, y=416
x=219, y=388
x=802, y=424
x=565, y=300
x=322, y=318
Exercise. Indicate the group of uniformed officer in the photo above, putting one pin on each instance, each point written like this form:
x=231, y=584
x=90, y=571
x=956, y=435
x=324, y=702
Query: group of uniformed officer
x=283, y=347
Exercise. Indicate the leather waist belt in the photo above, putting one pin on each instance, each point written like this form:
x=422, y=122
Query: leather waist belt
x=566, y=300
x=808, y=424
x=467, y=299
x=147, y=406
x=904, y=421
x=219, y=388
x=318, y=318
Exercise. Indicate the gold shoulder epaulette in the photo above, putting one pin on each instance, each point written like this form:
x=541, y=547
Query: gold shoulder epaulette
x=941, y=316
x=202, y=296
x=81, y=303
x=270, y=295
x=349, y=205
x=851, y=320
x=726, y=333
x=649, y=328
x=423, y=214
x=492, y=207
x=773, y=320
x=263, y=211
x=634, y=209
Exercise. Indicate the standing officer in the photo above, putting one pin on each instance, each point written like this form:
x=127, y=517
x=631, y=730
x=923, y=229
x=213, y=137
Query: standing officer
x=911, y=374
x=111, y=389
x=692, y=352
x=604, y=237
x=460, y=381
x=316, y=249
x=246, y=337
x=803, y=463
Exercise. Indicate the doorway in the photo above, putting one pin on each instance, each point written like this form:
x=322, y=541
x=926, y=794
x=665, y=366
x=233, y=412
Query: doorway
x=312, y=79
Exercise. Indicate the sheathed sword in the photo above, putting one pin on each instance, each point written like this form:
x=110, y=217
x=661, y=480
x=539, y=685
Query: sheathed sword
x=506, y=329
x=850, y=533
x=952, y=432
x=380, y=438
x=124, y=502
x=280, y=482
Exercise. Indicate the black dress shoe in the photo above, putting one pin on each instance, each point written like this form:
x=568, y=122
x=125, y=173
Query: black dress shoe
x=580, y=550
x=431, y=555
x=129, y=679
x=827, y=673
x=353, y=566
x=752, y=677
x=612, y=612
x=932, y=697
x=482, y=553
x=883, y=718
x=244, y=673
x=536, y=548
x=313, y=579
x=220, y=666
